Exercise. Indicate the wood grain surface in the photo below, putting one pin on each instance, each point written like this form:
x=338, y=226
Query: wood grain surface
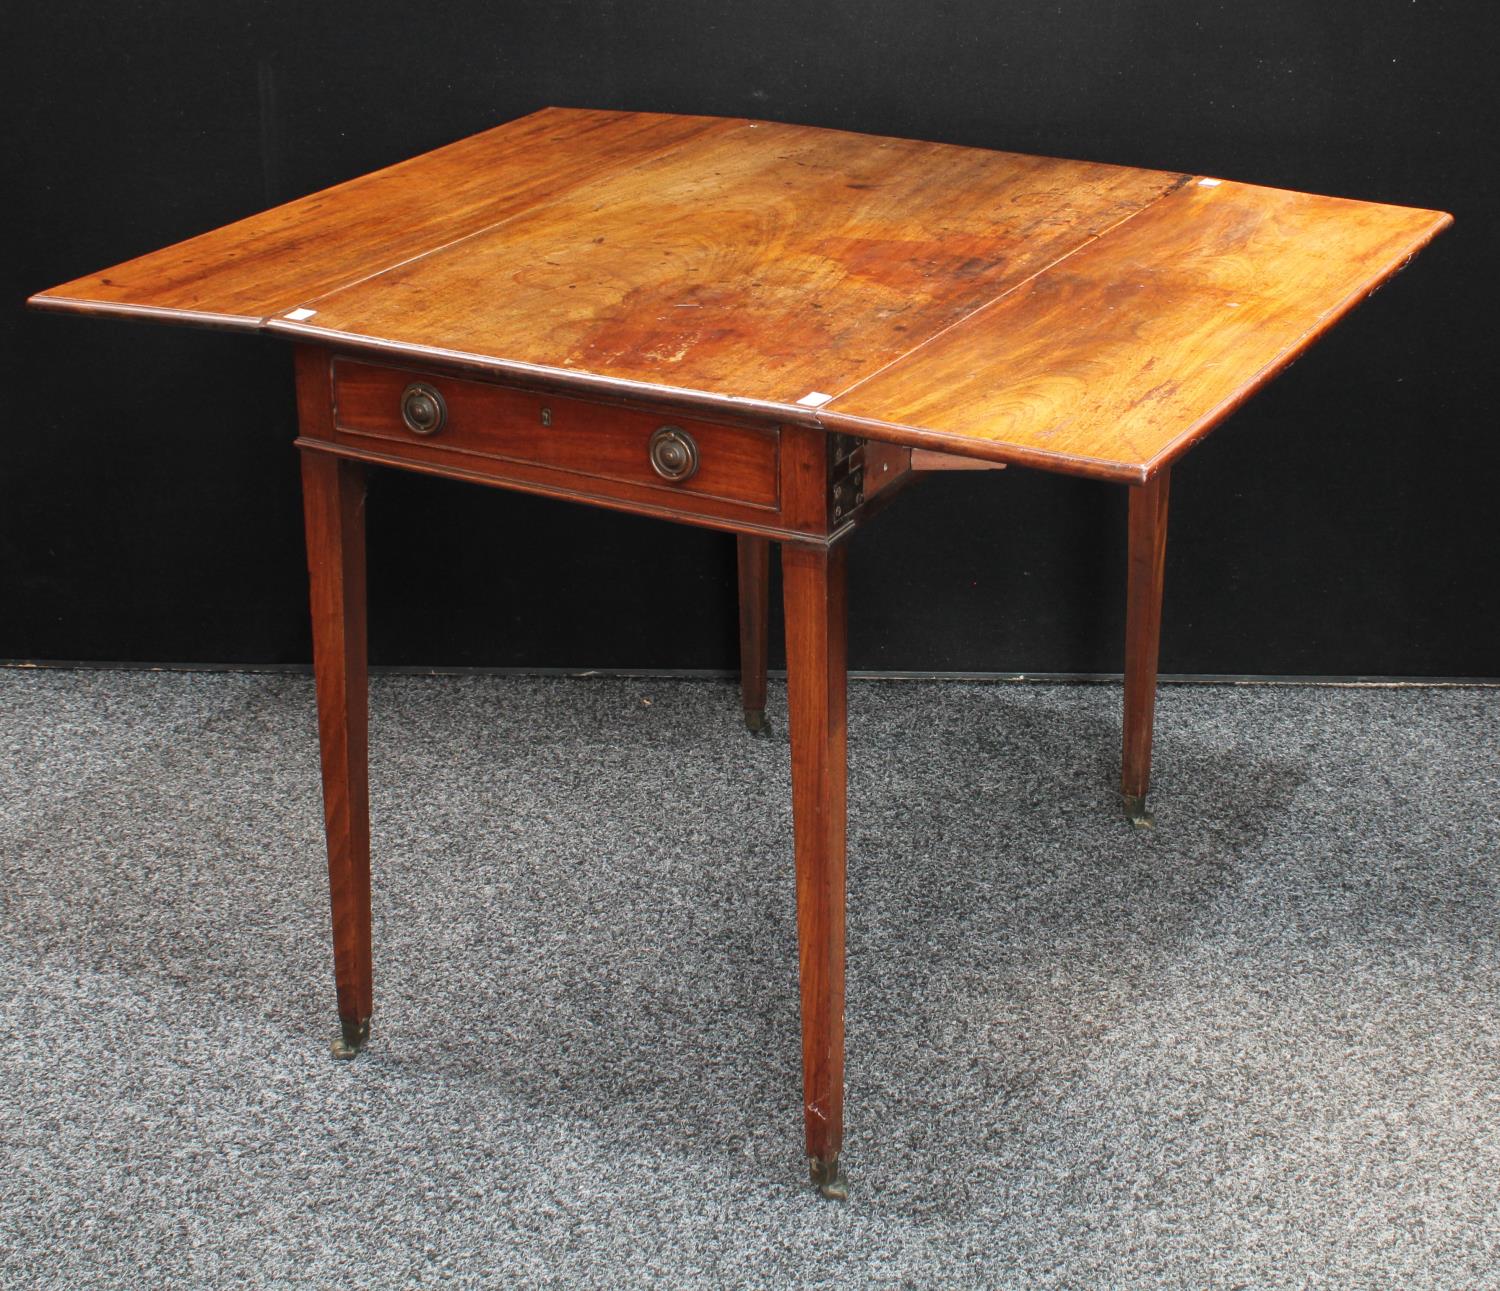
x=1116, y=359
x=754, y=562
x=594, y=440
x=814, y=596
x=237, y=275
x=1144, y=585
x=1078, y=317
x=764, y=264
x=333, y=494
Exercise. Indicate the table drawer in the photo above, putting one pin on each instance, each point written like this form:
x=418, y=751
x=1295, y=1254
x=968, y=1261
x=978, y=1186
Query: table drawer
x=454, y=419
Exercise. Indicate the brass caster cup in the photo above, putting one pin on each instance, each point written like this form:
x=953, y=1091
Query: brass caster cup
x=828, y=1178
x=352, y=1037
x=1137, y=813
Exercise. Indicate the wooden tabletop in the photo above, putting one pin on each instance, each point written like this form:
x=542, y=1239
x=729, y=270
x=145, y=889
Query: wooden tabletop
x=1079, y=317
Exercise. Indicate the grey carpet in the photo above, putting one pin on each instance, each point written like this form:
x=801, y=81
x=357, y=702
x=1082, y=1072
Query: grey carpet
x=1257, y=1047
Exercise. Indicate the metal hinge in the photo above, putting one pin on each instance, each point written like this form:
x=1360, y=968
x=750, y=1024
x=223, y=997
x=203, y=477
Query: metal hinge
x=846, y=477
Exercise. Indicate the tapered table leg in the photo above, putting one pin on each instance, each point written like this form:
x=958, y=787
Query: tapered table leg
x=333, y=495
x=813, y=580
x=754, y=562
x=1147, y=558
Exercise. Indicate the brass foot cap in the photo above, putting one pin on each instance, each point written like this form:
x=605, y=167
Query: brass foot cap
x=352, y=1037
x=755, y=721
x=828, y=1178
x=1137, y=812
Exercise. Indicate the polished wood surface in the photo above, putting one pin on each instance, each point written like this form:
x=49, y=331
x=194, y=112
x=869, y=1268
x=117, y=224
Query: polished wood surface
x=597, y=441
x=1146, y=567
x=758, y=265
x=333, y=495
x=750, y=479
x=1113, y=361
x=1072, y=316
x=238, y=275
x=816, y=662
x=925, y=459
x=754, y=560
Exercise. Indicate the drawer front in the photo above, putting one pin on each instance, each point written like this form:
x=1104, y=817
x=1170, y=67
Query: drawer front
x=592, y=446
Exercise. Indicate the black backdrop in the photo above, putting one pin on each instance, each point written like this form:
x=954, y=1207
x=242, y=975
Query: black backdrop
x=1343, y=523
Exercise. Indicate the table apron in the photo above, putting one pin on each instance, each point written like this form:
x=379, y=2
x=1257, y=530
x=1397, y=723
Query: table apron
x=794, y=483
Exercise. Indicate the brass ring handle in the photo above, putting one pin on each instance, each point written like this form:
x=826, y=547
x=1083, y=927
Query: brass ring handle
x=674, y=455
x=423, y=409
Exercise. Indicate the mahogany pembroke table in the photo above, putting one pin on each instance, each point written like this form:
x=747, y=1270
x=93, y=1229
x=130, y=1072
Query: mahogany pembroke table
x=764, y=329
